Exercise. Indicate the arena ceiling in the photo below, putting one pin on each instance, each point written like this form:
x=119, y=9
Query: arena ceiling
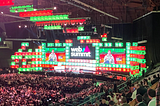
x=123, y=11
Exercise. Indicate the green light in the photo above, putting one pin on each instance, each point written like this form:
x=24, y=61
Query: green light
x=25, y=44
x=83, y=37
x=128, y=44
x=24, y=63
x=29, y=50
x=117, y=50
x=58, y=44
x=107, y=44
x=13, y=63
x=52, y=27
x=67, y=44
x=49, y=18
x=50, y=44
x=134, y=44
x=24, y=6
x=19, y=50
x=0, y=39
x=80, y=28
x=22, y=10
x=119, y=44
x=104, y=39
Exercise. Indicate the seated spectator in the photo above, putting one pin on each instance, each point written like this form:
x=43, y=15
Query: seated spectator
x=152, y=95
x=141, y=90
x=146, y=98
x=111, y=103
x=149, y=81
x=135, y=92
x=155, y=79
x=103, y=103
x=124, y=102
x=139, y=100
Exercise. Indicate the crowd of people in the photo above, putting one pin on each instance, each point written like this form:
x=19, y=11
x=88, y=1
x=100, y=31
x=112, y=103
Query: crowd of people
x=38, y=90
x=138, y=91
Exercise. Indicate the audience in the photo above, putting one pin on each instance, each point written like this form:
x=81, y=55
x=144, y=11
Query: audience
x=152, y=96
x=40, y=90
x=124, y=102
x=140, y=101
x=155, y=79
x=141, y=90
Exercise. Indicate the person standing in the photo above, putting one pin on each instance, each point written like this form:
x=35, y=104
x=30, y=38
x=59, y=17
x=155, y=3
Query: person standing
x=139, y=100
x=152, y=95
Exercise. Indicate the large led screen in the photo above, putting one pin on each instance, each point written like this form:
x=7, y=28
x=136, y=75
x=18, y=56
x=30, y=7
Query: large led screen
x=112, y=56
x=55, y=55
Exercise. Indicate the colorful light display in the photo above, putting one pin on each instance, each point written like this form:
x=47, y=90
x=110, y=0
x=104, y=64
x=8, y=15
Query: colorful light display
x=71, y=31
x=83, y=37
x=80, y=28
x=36, y=13
x=128, y=59
x=6, y=2
x=23, y=10
x=62, y=22
x=92, y=41
x=58, y=27
x=49, y=18
x=24, y=6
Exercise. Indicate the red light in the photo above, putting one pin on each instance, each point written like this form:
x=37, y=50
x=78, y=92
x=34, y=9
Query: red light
x=23, y=60
x=16, y=60
x=82, y=41
x=143, y=65
x=60, y=22
x=23, y=47
x=104, y=35
x=68, y=41
x=92, y=41
x=56, y=41
x=71, y=31
x=39, y=47
x=36, y=13
x=6, y=2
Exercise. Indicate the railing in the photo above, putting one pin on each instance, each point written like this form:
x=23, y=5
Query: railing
x=92, y=99
x=124, y=85
x=133, y=102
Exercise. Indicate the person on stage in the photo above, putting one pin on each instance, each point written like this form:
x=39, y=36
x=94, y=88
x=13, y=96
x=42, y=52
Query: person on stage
x=109, y=59
x=52, y=56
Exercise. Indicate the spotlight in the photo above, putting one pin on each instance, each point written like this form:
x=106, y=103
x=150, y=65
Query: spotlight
x=54, y=8
x=19, y=26
x=1, y=12
x=25, y=26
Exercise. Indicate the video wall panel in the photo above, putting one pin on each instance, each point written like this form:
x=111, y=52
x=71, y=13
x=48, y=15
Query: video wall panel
x=93, y=56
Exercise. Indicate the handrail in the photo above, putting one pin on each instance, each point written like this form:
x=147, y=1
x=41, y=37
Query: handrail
x=91, y=99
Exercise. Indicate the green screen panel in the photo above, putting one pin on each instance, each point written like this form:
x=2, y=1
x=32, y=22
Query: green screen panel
x=117, y=50
x=83, y=37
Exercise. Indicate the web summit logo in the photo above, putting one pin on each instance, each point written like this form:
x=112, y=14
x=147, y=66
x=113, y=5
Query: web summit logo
x=80, y=52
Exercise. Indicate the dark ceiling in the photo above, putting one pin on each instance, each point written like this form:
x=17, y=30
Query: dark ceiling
x=125, y=10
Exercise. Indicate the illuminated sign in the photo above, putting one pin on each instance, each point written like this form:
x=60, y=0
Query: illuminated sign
x=82, y=52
